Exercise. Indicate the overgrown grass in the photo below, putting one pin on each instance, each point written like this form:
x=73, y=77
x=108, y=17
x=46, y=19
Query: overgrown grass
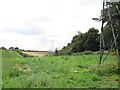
x=58, y=72
x=105, y=69
x=10, y=54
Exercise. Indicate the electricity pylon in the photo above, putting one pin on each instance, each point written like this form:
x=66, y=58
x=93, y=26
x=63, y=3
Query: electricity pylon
x=107, y=15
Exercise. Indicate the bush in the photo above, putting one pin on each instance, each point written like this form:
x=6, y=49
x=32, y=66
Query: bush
x=106, y=52
x=64, y=52
x=80, y=53
x=105, y=69
x=87, y=52
x=3, y=48
x=74, y=54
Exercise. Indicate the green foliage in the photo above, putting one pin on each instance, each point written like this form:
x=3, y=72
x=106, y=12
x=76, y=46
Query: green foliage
x=56, y=52
x=82, y=42
x=3, y=48
x=65, y=51
x=80, y=53
x=91, y=42
x=105, y=69
x=87, y=52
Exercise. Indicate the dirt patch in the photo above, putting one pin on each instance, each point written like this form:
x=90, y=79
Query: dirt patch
x=38, y=53
x=23, y=68
x=114, y=79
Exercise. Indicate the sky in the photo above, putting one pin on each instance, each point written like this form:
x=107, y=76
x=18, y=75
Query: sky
x=45, y=24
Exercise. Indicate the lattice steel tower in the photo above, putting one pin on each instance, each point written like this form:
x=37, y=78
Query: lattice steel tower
x=108, y=15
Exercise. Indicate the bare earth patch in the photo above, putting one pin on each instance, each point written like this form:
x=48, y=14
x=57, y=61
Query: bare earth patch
x=23, y=68
x=37, y=53
x=114, y=79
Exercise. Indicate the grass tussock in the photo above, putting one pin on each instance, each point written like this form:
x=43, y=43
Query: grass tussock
x=105, y=69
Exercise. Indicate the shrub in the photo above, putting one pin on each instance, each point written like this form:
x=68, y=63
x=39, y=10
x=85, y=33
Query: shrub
x=74, y=54
x=79, y=53
x=87, y=52
x=64, y=52
x=3, y=48
x=106, y=52
x=105, y=69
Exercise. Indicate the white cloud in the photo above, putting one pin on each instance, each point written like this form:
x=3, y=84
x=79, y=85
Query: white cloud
x=33, y=24
x=29, y=31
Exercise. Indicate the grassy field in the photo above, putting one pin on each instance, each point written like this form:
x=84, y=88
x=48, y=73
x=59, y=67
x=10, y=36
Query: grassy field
x=80, y=71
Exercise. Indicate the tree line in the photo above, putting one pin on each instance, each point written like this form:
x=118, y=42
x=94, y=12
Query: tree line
x=89, y=41
x=81, y=42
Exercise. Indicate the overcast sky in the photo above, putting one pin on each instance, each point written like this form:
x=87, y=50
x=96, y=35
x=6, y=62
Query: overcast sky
x=33, y=24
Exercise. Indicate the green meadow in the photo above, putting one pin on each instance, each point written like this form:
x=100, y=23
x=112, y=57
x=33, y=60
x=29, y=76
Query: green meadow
x=78, y=71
